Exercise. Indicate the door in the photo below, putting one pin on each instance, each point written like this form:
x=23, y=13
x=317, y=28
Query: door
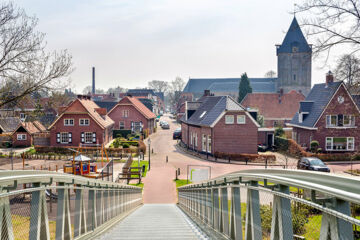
x=270, y=137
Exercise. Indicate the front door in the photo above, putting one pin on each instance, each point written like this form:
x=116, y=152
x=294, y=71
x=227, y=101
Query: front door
x=270, y=137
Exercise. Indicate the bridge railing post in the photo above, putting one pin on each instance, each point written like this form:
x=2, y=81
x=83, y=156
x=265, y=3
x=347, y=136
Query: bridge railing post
x=99, y=207
x=91, y=213
x=236, y=219
x=6, y=227
x=63, y=222
x=216, y=214
x=224, y=210
x=253, y=228
x=80, y=213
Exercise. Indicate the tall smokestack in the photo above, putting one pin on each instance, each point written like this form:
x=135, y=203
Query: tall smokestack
x=93, y=80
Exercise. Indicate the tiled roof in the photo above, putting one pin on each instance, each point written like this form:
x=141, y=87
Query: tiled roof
x=357, y=100
x=198, y=85
x=39, y=126
x=90, y=106
x=32, y=127
x=211, y=108
x=9, y=124
x=294, y=38
x=139, y=106
x=107, y=105
x=271, y=105
x=320, y=95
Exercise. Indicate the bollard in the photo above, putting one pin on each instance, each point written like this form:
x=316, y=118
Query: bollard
x=167, y=159
x=152, y=150
x=176, y=175
x=179, y=171
x=266, y=163
x=56, y=168
x=143, y=168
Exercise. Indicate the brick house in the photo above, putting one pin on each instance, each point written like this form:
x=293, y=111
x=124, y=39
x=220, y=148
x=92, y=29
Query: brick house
x=81, y=122
x=219, y=124
x=23, y=135
x=276, y=108
x=330, y=116
x=129, y=113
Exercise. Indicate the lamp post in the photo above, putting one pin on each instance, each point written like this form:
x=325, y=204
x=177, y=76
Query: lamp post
x=149, y=142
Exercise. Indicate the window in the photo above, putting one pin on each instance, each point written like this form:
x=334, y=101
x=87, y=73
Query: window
x=196, y=140
x=88, y=137
x=209, y=143
x=240, y=119
x=121, y=125
x=22, y=116
x=64, y=137
x=84, y=122
x=294, y=77
x=229, y=119
x=21, y=137
x=350, y=143
x=349, y=121
x=204, y=143
x=340, y=143
x=68, y=122
x=331, y=120
x=125, y=113
x=191, y=138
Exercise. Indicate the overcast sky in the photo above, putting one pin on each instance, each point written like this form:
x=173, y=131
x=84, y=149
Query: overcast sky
x=131, y=42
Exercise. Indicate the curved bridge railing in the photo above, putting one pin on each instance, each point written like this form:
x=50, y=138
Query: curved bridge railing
x=48, y=205
x=275, y=204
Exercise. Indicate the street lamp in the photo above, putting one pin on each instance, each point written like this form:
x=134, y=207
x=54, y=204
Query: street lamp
x=149, y=142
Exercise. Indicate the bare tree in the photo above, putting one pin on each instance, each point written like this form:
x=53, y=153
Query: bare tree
x=88, y=90
x=270, y=74
x=25, y=66
x=176, y=88
x=333, y=23
x=348, y=70
x=158, y=86
x=117, y=90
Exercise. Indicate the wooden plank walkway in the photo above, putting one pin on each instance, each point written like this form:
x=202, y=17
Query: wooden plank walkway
x=155, y=221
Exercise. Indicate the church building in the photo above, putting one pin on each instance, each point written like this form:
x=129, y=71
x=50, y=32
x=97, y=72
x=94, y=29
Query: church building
x=293, y=67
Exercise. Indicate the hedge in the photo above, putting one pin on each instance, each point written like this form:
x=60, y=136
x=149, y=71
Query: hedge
x=66, y=150
x=245, y=157
x=122, y=132
x=281, y=143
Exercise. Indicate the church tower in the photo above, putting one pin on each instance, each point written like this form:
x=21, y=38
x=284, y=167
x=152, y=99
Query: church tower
x=294, y=61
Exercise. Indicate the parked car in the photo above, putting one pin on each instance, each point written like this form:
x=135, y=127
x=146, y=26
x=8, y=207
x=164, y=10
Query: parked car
x=165, y=125
x=177, y=134
x=162, y=122
x=312, y=163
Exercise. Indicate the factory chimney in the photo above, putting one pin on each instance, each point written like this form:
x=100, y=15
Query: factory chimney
x=93, y=80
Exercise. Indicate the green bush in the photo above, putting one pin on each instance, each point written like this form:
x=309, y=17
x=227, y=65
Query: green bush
x=314, y=145
x=281, y=143
x=279, y=132
x=125, y=145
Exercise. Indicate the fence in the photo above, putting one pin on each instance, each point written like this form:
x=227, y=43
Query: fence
x=275, y=204
x=47, y=205
x=107, y=173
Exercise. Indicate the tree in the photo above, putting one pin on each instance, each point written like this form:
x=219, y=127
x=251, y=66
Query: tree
x=25, y=66
x=348, y=70
x=176, y=87
x=270, y=74
x=333, y=23
x=244, y=87
x=88, y=89
x=158, y=86
x=117, y=90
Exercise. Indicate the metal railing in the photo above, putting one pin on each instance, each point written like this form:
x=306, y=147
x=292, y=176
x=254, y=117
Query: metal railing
x=48, y=205
x=275, y=204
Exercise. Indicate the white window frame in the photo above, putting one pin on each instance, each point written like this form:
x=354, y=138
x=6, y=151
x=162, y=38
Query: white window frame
x=191, y=138
x=331, y=140
x=239, y=117
x=68, y=124
x=87, y=136
x=347, y=143
x=351, y=121
x=84, y=123
x=121, y=123
x=196, y=140
x=203, y=142
x=66, y=136
x=229, y=119
x=21, y=136
x=126, y=113
x=209, y=143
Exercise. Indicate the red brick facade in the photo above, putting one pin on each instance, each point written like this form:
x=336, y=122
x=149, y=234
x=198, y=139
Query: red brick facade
x=22, y=143
x=226, y=138
x=305, y=136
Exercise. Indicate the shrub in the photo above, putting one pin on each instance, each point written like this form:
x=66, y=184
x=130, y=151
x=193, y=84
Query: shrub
x=236, y=156
x=281, y=143
x=314, y=145
x=116, y=143
x=142, y=147
x=126, y=145
x=279, y=132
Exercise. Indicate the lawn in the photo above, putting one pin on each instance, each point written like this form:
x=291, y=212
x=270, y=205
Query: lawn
x=137, y=184
x=181, y=182
x=135, y=163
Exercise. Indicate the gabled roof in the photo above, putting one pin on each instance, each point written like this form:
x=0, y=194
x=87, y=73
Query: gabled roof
x=31, y=127
x=9, y=124
x=320, y=95
x=272, y=105
x=198, y=85
x=211, y=109
x=356, y=100
x=90, y=107
x=294, y=38
x=137, y=104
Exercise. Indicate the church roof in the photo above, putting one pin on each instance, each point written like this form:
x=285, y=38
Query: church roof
x=198, y=85
x=294, y=38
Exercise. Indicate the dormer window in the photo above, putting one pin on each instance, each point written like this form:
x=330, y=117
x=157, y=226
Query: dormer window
x=303, y=116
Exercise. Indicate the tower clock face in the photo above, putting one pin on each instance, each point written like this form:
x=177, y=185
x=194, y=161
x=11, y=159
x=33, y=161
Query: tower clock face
x=340, y=99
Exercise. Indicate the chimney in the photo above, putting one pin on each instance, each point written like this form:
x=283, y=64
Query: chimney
x=93, y=80
x=206, y=92
x=329, y=77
